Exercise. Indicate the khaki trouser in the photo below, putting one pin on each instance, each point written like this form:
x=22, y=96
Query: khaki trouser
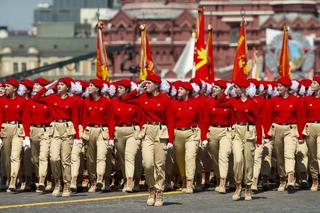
x=288, y=149
x=243, y=147
x=40, y=146
x=219, y=148
x=127, y=149
x=312, y=133
x=12, y=137
x=154, y=154
x=186, y=144
x=76, y=155
x=76, y=159
x=99, y=154
x=262, y=160
x=60, y=149
x=8, y=132
x=171, y=166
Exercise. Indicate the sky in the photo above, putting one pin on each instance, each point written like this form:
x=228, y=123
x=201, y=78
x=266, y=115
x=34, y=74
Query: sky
x=18, y=14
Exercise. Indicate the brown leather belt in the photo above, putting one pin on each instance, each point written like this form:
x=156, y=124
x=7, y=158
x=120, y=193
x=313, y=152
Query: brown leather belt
x=40, y=125
x=97, y=125
x=155, y=123
x=220, y=126
x=186, y=128
x=314, y=122
x=127, y=125
x=244, y=124
x=61, y=120
x=12, y=122
x=285, y=124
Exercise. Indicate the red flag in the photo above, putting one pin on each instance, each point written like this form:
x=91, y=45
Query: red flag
x=240, y=68
x=102, y=71
x=210, y=54
x=200, y=55
x=284, y=67
x=146, y=61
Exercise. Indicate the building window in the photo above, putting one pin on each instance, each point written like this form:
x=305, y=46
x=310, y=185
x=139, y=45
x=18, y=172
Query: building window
x=93, y=67
x=234, y=34
x=23, y=66
x=15, y=67
x=77, y=67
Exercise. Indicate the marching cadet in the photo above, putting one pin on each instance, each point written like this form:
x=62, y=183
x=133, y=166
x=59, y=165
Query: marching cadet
x=27, y=169
x=12, y=133
x=37, y=129
x=203, y=167
x=312, y=130
x=155, y=107
x=263, y=153
x=65, y=131
x=247, y=135
x=78, y=89
x=185, y=121
x=219, y=121
x=286, y=124
x=172, y=179
x=98, y=124
x=301, y=174
x=128, y=119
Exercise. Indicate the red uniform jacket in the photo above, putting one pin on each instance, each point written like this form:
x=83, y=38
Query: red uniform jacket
x=216, y=115
x=98, y=112
x=186, y=114
x=155, y=108
x=60, y=108
x=311, y=106
x=36, y=114
x=286, y=110
x=127, y=114
x=11, y=109
x=245, y=112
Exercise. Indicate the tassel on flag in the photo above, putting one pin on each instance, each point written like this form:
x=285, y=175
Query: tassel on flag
x=284, y=67
x=240, y=67
x=200, y=55
x=102, y=71
x=146, y=61
x=210, y=53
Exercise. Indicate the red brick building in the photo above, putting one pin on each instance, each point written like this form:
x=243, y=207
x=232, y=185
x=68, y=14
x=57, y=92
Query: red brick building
x=170, y=24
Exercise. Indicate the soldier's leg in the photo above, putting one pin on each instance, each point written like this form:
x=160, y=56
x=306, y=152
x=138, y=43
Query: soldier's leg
x=225, y=148
x=290, y=147
x=66, y=149
x=15, y=160
x=43, y=159
x=191, y=149
x=131, y=150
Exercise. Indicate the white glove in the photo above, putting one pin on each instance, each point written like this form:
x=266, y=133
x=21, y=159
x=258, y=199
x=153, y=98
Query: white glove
x=265, y=141
x=51, y=85
x=141, y=87
x=169, y=146
x=300, y=141
x=26, y=143
x=77, y=142
x=228, y=89
x=1, y=143
x=111, y=143
x=204, y=144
